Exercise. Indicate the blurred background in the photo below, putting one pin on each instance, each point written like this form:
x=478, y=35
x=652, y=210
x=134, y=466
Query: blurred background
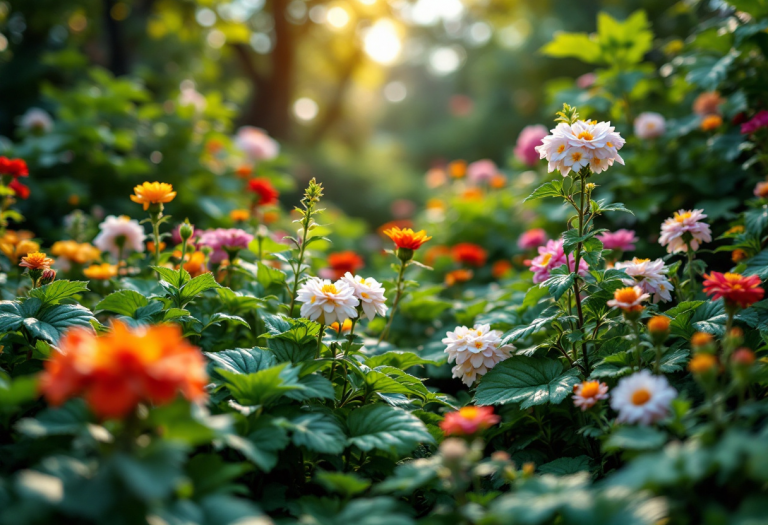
x=365, y=95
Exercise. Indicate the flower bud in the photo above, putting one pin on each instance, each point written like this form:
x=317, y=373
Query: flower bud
x=186, y=230
x=743, y=356
x=404, y=254
x=47, y=277
x=528, y=469
x=658, y=327
x=453, y=449
x=701, y=363
x=702, y=341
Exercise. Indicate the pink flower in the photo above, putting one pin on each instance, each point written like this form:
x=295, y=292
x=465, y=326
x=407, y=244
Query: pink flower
x=550, y=257
x=757, y=122
x=225, y=241
x=621, y=240
x=482, y=171
x=533, y=238
x=650, y=125
x=468, y=421
x=685, y=230
x=527, y=141
x=255, y=143
x=586, y=80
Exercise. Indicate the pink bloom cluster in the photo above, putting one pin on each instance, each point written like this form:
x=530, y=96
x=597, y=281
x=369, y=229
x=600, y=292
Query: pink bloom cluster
x=757, y=122
x=482, y=171
x=621, y=240
x=533, y=238
x=529, y=138
x=552, y=256
x=223, y=241
x=255, y=143
x=685, y=229
x=572, y=147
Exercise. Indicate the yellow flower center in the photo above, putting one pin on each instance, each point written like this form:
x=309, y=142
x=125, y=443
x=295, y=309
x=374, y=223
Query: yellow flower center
x=585, y=135
x=641, y=397
x=733, y=277
x=561, y=148
x=365, y=295
x=626, y=295
x=545, y=260
x=469, y=412
x=329, y=289
x=681, y=217
x=590, y=389
x=478, y=344
x=640, y=261
x=576, y=156
x=609, y=144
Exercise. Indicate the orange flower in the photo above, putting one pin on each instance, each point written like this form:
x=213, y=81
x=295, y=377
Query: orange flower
x=501, y=268
x=435, y=178
x=100, y=272
x=458, y=276
x=16, y=244
x=701, y=363
x=468, y=421
x=743, y=356
x=342, y=262
x=270, y=217
x=628, y=299
x=76, y=252
x=708, y=104
x=711, y=122
x=244, y=171
x=735, y=230
x=700, y=339
x=469, y=253
x=345, y=327
x=739, y=255
x=239, y=215
x=761, y=189
x=195, y=264
x=153, y=193
x=265, y=193
x=498, y=181
x=435, y=204
x=658, y=324
x=407, y=238
x=472, y=194
x=458, y=169
x=151, y=246
x=734, y=288
x=127, y=366
x=36, y=261
x=400, y=223
x=434, y=253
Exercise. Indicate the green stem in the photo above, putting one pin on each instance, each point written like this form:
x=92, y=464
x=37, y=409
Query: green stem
x=657, y=365
x=300, y=261
x=398, y=295
x=156, y=233
x=183, y=256
x=350, y=338
x=638, y=346
x=320, y=341
x=577, y=261
x=691, y=275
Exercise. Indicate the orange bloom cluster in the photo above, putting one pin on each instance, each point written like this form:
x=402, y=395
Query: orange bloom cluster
x=17, y=244
x=265, y=192
x=711, y=122
x=36, y=261
x=407, y=238
x=117, y=371
x=75, y=252
x=239, y=215
x=458, y=276
x=342, y=262
x=469, y=253
x=153, y=193
x=468, y=421
x=501, y=268
x=734, y=288
x=100, y=272
x=195, y=264
x=658, y=324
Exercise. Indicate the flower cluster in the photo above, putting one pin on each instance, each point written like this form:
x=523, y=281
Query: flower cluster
x=406, y=238
x=552, y=256
x=370, y=293
x=16, y=168
x=650, y=276
x=69, y=252
x=475, y=351
x=17, y=244
x=571, y=147
x=629, y=300
x=327, y=302
x=685, y=231
x=264, y=192
x=588, y=393
x=225, y=242
x=123, y=368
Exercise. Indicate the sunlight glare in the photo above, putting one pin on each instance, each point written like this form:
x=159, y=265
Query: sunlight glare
x=382, y=43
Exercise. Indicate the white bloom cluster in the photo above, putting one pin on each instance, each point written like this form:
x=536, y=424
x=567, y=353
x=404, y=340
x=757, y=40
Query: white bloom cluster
x=650, y=276
x=120, y=236
x=573, y=146
x=370, y=293
x=327, y=302
x=475, y=351
x=642, y=398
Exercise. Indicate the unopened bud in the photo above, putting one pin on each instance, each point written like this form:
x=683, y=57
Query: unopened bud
x=47, y=277
x=743, y=356
x=404, y=254
x=186, y=230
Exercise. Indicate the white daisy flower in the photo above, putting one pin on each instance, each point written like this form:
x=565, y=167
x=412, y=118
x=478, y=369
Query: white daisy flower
x=327, y=302
x=370, y=293
x=650, y=276
x=588, y=393
x=475, y=351
x=642, y=398
x=120, y=231
x=571, y=147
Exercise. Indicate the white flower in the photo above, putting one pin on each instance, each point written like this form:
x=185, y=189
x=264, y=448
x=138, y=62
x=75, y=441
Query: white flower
x=327, y=302
x=37, y=120
x=650, y=125
x=370, y=293
x=189, y=96
x=475, y=351
x=685, y=229
x=571, y=147
x=3, y=278
x=117, y=230
x=642, y=398
x=650, y=276
x=255, y=143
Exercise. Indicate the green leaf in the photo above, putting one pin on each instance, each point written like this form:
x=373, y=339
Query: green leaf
x=173, y=277
x=616, y=206
x=71, y=419
x=386, y=428
x=242, y=360
x=397, y=359
x=549, y=189
x=315, y=387
x=347, y=485
x=576, y=45
x=616, y=365
x=263, y=387
x=710, y=318
x=571, y=239
x=53, y=321
x=635, y=438
x=287, y=351
x=710, y=72
x=758, y=265
x=548, y=315
x=528, y=381
x=318, y=432
x=262, y=445
x=124, y=302
x=15, y=392
x=268, y=276
x=209, y=472
x=153, y=473
x=54, y=292
x=565, y=466
x=219, y=317
x=559, y=283
x=197, y=286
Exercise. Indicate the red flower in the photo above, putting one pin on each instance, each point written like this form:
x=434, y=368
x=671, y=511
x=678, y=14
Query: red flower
x=13, y=167
x=342, y=262
x=265, y=192
x=734, y=288
x=19, y=189
x=468, y=421
x=470, y=254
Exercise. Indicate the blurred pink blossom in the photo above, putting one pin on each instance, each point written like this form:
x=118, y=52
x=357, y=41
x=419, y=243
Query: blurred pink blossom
x=755, y=123
x=622, y=240
x=527, y=141
x=255, y=143
x=533, y=238
x=481, y=171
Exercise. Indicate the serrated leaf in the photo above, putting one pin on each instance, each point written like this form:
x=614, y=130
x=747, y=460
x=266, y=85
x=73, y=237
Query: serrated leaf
x=528, y=381
x=263, y=387
x=548, y=315
x=242, y=360
x=386, y=428
x=267, y=276
x=318, y=432
x=175, y=278
x=559, y=283
x=219, y=317
x=548, y=189
x=196, y=286
x=53, y=321
x=124, y=302
x=571, y=239
x=56, y=291
x=758, y=265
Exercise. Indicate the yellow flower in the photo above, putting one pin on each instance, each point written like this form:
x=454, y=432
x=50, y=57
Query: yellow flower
x=711, y=122
x=16, y=244
x=36, y=261
x=153, y=193
x=101, y=272
x=239, y=215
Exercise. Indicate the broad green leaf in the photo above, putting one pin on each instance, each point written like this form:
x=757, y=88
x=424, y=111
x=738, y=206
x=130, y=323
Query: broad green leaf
x=559, y=283
x=209, y=472
x=758, y=265
x=576, y=45
x=347, y=485
x=318, y=432
x=71, y=419
x=263, y=387
x=548, y=315
x=153, y=472
x=386, y=428
x=397, y=359
x=635, y=438
x=616, y=365
x=565, y=466
x=196, y=286
x=54, y=292
x=53, y=321
x=571, y=239
x=315, y=387
x=262, y=445
x=124, y=302
x=219, y=317
x=528, y=381
x=287, y=351
x=268, y=276
x=242, y=360
x=709, y=72
x=173, y=277
x=548, y=189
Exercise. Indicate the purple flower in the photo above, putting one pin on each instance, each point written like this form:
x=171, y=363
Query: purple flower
x=225, y=241
x=622, y=240
x=527, y=141
x=481, y=171
x=755, y=123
